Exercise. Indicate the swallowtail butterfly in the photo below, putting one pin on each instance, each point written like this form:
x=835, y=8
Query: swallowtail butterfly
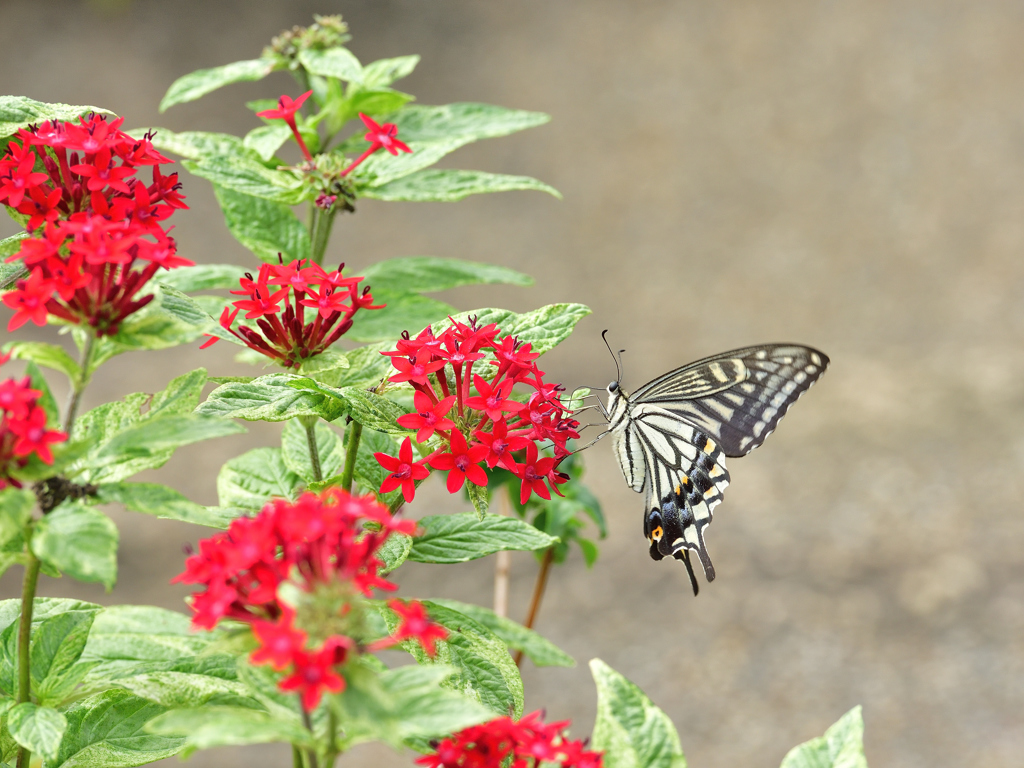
x=672, y=435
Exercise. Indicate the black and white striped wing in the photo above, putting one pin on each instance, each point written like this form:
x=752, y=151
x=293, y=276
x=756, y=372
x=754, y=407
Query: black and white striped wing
x=737, y=397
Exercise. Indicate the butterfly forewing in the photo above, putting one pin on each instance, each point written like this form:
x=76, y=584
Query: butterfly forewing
x=738, y=397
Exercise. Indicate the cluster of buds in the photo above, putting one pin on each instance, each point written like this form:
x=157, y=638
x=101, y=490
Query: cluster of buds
x=99, y=233
x=503, y=741
x=23, y=429
x=284, y=335
x=324, y=546
x=474, y=416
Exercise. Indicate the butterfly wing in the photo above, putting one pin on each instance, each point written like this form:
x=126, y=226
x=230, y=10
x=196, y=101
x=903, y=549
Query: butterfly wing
x=737, y=397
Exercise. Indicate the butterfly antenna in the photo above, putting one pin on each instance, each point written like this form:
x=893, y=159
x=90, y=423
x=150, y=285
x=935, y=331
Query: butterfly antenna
x=617, y=359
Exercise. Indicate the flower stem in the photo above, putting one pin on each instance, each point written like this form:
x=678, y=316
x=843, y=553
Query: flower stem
x=309, y=422
x=332, y=733
x=28, y=597
x=502, y=567
x=320, y=232
x=538, y=594
x=311, y=760
x=355, y=431
x=78, y=385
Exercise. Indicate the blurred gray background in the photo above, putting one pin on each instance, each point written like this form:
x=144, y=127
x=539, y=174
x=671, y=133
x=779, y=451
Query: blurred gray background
x=847, y=175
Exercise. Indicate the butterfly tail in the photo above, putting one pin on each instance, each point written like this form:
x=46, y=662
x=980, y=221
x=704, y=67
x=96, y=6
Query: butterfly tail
x=684, y=555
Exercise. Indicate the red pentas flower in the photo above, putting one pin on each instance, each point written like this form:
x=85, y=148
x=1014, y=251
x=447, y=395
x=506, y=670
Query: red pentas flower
x=300, y=310
x=23, y=429
x=528, y=743
x=102, y=239
x=463, y=381
x=380, y=137
x=414, y=623
x=286, y=109
x=326, y=546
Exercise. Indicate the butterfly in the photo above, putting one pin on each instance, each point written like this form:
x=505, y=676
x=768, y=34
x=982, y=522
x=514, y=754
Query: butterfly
x=672, y=435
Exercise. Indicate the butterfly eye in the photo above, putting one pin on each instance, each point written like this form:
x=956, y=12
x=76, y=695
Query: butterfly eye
x=613, y=387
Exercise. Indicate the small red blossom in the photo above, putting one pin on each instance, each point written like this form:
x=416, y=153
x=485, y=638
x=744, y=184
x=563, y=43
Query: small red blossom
x=380, y=137
x=29, y=299
x=314, y=672
x=429, y=416
x=415, y=624
x=533, y=473
x=404, y=471
x=461, y=462
x=286, y=109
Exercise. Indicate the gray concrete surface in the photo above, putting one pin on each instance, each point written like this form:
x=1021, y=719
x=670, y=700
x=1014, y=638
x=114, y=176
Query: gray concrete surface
x=849, y=175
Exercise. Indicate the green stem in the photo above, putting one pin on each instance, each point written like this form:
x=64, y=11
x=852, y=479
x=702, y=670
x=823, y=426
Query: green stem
x=320, y=232
x=310, y=753
x=355, y=431
x=309, y=422
x=28, y=598
x=79, y=384
x=332, y=733
x=538, y=593
x=297, y=761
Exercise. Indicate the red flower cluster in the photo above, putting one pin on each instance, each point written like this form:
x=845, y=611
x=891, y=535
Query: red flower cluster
x=286, y=336
x=529, y=743
x=102, y=238
x=474, y=415
x=22, y=428
x=317, y=541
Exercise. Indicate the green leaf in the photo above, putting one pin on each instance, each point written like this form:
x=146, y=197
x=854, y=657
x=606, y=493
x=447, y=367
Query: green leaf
x=249, y=481
x=630, y=730
x=56, y=647
x=108, y=729
x=15, y=513
x=264, y=227
x=203, y=277
x=10, y=272
x=403, y=703
x=464, y=120
x=163, y=502
x=197, y=145
x=37, y=729
x=371, y=410
x=842, y=746
x=183, y=690
x=332, y=62
x=445, y=185
x=405, y=311
x=150, y=443
x=221, y=726
x=322, y=366
x=249, y=177
x=486, y=672
x=544, y=328
x=125, y=637
x=541, y=651
x=295, y=450
x=462, y=537
x=267, y=139
x=17, y=112
x=394, y=552
x=381, y=168
x=152, y=327
x=46, y=355
x=366, y=367
x=271, y=398
x=382, y=101
x=427, y=274
x=80, y=541
x=201, y=82
x=384, y=72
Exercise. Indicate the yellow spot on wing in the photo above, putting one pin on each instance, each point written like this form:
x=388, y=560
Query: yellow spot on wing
x=709, y=446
